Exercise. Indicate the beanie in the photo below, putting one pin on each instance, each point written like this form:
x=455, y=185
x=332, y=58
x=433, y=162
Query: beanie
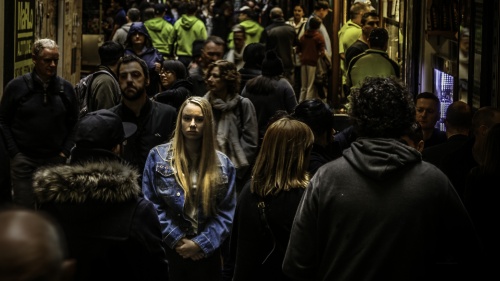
x=272, y=64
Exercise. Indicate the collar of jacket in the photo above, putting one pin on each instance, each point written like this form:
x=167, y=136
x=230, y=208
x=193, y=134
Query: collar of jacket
x=93, y=181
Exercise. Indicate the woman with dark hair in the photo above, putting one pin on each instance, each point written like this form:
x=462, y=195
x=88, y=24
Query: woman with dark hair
x=319, y=117
x=139, y=44
x=270, y=91
x=267, y=204
x=253, y=55
x=223, y=18
x=175, y=86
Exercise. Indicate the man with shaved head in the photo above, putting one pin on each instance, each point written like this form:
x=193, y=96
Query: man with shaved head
x=32, y=247
x=281, y=37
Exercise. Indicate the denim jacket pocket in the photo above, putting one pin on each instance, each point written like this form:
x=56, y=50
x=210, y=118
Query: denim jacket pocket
x=224, y=179
x=222, y=185
x=165, y=179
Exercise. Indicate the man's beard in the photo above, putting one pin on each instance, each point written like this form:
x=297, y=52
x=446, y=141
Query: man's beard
x=136, y=96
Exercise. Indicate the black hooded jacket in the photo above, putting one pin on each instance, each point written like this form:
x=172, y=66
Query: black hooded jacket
x=112, y=231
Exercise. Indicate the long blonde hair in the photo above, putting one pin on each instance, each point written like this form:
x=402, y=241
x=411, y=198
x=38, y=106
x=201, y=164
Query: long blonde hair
x=283, y=158
x=208, y=166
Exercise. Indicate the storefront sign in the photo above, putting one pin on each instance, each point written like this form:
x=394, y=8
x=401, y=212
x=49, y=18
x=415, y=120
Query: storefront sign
x=24, y=35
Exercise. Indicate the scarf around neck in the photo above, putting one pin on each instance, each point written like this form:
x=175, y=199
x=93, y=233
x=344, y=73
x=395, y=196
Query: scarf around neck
x=227, y=130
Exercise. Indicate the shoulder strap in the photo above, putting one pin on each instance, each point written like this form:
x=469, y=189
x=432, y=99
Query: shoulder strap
x=89, y=84
x=29, y=82
x=28, y=79
x=62, y=94
x=242, y=119
x=302, y=24
x=263, y=219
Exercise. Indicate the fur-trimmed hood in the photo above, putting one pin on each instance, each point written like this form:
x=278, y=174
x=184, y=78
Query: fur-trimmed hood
x=104, y=181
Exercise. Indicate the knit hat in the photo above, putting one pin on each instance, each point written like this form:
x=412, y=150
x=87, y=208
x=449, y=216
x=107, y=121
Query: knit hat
x=272, y=64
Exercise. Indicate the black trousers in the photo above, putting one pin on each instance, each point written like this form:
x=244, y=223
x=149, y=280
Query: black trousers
x=22, y=168
x=5, y=185
x=180, y=269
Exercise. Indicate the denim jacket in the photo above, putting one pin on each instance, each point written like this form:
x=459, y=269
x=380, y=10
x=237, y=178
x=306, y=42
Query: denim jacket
x=160, y=187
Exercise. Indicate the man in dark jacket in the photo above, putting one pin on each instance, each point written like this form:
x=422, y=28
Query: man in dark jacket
x=104, y=87
x=38, y=114
x=380, y=212
x=112, y=231
x=281, y=37
x=155, y=121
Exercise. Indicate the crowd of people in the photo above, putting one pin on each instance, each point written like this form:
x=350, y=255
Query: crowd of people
x=194, y=165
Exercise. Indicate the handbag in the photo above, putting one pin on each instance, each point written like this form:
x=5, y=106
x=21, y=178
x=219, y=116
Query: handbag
x=322, y=69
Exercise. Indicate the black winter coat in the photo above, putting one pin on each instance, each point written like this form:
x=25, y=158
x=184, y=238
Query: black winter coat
x=112, y=231
x=176, y=94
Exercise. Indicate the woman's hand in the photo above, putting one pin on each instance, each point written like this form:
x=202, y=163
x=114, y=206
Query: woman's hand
x=189, y=249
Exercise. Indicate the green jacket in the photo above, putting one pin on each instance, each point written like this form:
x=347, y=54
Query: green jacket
x=188, y=29
x=370, y=63
x=253, y=31
x=348, y=34
x=162, y=35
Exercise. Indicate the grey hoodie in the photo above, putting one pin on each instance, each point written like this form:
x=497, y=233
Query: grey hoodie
x=380, y=213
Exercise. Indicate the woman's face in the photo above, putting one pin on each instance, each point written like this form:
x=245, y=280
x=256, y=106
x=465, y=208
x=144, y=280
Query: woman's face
x=167, y=78
x=215, y=82
x=192, y=122
x=298, y=13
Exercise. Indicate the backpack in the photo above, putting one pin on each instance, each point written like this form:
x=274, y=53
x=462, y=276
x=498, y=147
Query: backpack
x=83, y=94
x=28, y=79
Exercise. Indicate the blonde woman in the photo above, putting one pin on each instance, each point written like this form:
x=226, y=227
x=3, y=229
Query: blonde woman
x=192, y=186
x=267, y=204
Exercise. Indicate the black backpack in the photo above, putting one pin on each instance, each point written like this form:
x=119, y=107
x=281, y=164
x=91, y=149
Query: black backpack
x=82, y=91
x=28, y=79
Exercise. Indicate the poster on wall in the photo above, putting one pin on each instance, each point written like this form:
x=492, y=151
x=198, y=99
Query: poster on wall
x=24, y=35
